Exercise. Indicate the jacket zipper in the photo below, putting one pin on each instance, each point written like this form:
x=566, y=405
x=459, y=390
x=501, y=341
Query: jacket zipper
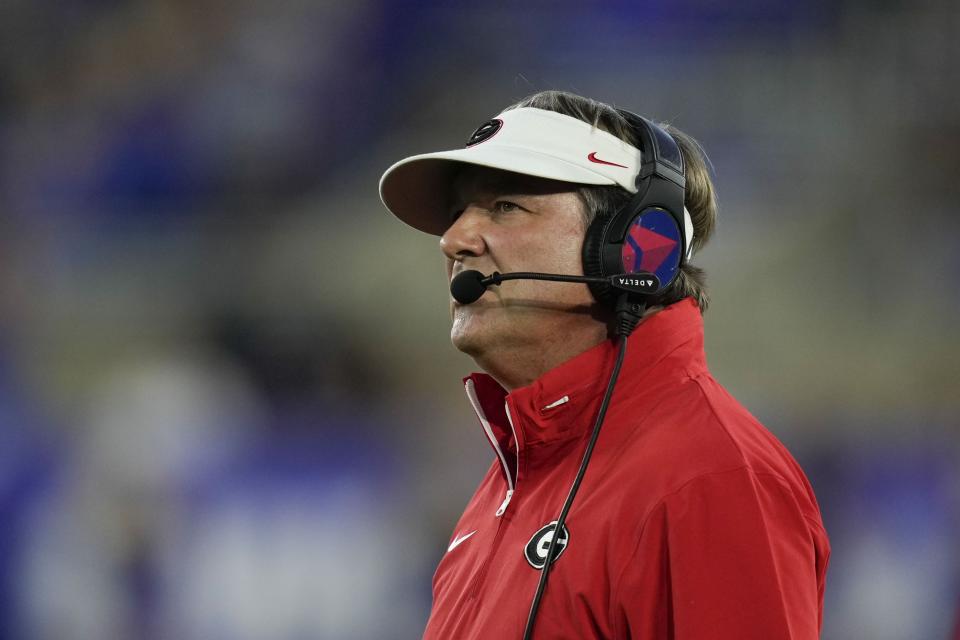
x=506, y=501
x=498, y=534
x=472, y=396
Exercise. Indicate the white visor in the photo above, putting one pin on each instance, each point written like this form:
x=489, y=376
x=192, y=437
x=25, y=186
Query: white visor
x=533, y=142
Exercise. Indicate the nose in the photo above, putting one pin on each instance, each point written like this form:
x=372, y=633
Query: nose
x=464, y=238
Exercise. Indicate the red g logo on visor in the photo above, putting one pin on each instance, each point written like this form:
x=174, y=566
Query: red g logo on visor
x=485, y=131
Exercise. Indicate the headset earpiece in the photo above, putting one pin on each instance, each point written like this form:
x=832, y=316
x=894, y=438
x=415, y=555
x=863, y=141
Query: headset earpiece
x=646, y=235
x=593, y=256
x=653, y=244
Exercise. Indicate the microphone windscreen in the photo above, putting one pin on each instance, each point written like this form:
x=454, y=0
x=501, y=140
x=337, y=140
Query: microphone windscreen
x=466, y=287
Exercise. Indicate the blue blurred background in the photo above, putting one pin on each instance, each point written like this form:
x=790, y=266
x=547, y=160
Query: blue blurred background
x=228, y=404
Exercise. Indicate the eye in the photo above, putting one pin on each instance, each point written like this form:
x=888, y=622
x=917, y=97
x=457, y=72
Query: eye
x=505, y=206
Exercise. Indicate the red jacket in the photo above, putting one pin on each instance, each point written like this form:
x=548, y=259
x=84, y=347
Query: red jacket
x=693, y=522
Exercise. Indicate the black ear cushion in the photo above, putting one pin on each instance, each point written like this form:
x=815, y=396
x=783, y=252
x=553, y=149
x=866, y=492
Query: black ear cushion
x=592, y=255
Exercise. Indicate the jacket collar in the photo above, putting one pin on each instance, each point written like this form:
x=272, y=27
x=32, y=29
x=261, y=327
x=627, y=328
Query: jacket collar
x=562, y=404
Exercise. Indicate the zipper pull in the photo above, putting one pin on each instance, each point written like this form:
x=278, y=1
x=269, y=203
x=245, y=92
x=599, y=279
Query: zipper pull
x=506, y=501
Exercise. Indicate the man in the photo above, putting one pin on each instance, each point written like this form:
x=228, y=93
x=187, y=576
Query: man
x=691, y=520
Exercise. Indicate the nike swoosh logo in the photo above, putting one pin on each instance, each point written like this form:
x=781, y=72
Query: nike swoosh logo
x=459, y=540
x=593, y=158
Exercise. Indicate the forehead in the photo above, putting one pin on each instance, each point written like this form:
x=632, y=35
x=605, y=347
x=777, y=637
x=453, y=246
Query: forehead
x=473, y=181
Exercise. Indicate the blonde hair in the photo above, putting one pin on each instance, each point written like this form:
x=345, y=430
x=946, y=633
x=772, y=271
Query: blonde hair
x=699, y=198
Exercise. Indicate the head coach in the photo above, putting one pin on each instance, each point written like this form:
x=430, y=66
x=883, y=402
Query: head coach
x=665, y=508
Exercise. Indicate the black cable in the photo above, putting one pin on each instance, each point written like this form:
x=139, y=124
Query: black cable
x=558, y=530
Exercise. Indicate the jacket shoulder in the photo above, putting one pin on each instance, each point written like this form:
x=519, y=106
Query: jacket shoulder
x=694, y=429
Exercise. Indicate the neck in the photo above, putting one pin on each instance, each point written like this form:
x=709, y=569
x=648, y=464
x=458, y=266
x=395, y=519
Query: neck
x=518, y=365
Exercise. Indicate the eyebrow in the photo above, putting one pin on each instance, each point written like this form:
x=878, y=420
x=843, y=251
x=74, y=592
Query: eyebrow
x=493, y=189
x=504, y=183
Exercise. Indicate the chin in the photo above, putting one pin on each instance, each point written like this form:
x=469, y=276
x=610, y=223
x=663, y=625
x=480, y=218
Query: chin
x=464, y=340
x=474, y=331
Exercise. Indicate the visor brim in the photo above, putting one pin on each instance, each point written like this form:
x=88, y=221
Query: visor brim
x=417, y=190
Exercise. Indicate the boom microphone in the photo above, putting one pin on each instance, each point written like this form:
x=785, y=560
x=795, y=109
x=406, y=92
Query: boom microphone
x=468, y=286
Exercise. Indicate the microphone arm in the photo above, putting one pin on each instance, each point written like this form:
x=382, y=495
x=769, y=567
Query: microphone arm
x=628, y=311
x=639, y=282
x=468, y=286
x=496, y=278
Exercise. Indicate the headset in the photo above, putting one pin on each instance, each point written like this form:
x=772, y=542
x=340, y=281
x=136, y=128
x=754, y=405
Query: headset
x=633, y=254
x=649, y=234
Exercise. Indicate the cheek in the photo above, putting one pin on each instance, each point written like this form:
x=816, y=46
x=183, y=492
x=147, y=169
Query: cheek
x=562, y=250
x=563, y=237
x=574, y=255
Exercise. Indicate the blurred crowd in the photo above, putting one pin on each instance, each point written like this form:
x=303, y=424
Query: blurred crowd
x=228, y=405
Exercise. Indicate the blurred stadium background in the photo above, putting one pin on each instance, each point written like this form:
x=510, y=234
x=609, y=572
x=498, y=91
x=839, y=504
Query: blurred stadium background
x=228, y=404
